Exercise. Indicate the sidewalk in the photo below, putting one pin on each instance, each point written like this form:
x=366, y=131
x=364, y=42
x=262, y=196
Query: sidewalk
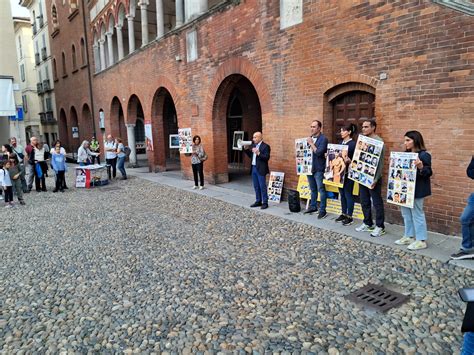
x=440, y=246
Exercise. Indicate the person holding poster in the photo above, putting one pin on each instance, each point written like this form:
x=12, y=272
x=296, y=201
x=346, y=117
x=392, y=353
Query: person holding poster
x=260, y=155
x=347, y=200
x=372, y=195
x=414, y=218
x=319, y=145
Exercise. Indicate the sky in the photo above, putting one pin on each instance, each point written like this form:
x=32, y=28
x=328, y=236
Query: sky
x=17, y=10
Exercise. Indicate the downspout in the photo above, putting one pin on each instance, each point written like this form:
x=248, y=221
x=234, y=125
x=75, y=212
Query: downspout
x=91, y=94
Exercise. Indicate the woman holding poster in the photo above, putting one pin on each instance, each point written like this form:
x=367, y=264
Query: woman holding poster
x=414, y=218
x=347, y=199
x=197, y=161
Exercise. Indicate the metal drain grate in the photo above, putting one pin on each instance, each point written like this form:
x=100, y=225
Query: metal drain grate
x=377, y=297
x=111, y=188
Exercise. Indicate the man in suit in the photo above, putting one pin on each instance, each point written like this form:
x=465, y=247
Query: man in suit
x=319, y=146
x=260, y=155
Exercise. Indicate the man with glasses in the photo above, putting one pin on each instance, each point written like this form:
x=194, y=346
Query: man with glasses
x=319, y=146
x=372, y=195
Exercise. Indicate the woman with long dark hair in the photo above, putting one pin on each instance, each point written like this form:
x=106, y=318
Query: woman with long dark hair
x=197, y=161
x=347, y=199
x=416, y=231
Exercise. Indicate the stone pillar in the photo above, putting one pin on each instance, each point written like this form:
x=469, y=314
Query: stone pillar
x=118, y=28
x=144, y=16
x=160, y=19
x=131, y=34
x=102, y=53
x=96, y=57
x=110, y=47
x=179, y=13
x=132, y=159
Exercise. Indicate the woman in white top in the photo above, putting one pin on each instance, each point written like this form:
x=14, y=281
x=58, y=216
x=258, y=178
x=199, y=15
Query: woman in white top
x=111, y=154
x=38, y=159
x=84, y=154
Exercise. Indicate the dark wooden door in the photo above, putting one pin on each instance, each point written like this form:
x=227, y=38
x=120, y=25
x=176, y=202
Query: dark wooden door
x=352, y=107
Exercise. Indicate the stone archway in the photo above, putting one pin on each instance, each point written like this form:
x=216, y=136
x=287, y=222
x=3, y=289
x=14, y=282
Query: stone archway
x=75, y=130
x=87, y=126
x=164, y=123
x=237, y=101
x=63, y=130
x=134, y=113
x=117, y=120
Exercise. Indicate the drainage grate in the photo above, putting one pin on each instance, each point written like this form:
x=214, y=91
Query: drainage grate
x=111, y=188
x=377, y=297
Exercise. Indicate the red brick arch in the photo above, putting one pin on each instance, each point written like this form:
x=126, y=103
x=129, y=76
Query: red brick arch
x=351, y=78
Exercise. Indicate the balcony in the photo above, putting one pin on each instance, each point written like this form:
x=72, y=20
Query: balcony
x=44, y=55
x=47, y=117
x=46, y=85
x=39, y=88
x=37, y=59
x=40, y=20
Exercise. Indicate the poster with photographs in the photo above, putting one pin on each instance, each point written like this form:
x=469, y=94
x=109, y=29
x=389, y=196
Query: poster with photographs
x=365, y=161
x=402, y=179
x=304, y=157
x=335, y=164
x=275, y=186
x=238, y=135
x=174, y=141
x=185, y=141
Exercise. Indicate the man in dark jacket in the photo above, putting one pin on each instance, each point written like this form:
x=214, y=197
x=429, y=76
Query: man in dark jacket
x=467, y=224
x=260, y=155
x=319, y=146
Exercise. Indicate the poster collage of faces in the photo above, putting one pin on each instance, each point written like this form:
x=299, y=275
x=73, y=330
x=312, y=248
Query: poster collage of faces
x=365, y=161
x=185, y=140
x=304, y=157
x=402, y=179
x=275, y=186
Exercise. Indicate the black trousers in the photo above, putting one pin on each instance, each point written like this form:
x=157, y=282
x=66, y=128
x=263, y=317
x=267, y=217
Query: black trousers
x=40, y=183
x=375, y=194
x=8, y=194
x=60, y=180
x=113, y=164
x=198, y=169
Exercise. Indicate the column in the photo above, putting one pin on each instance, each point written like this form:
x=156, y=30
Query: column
x=131, y=34
x=179, y=13
x=132, y=159
x=118, y=28
x=110, y=47
x=96, y=57
x=102, y=53
x=144, y=16
x=160, y=19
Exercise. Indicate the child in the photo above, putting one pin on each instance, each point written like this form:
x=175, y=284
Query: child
x=16, y=171
x=6, y=184
x=58, y=161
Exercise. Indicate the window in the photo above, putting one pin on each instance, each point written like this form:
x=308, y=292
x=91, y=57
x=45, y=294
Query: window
x=49, y=106
x=55, y=70
x=25, y=103
x=64, y=64
x=20, y=50
x=73, y=4
x=22, y=72
x=74, y=63
x=83, y=52
x=46, y=71
x=54, y=16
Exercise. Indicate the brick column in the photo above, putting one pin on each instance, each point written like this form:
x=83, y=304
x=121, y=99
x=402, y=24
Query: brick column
x=118, y=28
x=132, y=159
x=160, y=19
x=110, y=47
x=144, y=15
x=179, y=13
x=131, y=33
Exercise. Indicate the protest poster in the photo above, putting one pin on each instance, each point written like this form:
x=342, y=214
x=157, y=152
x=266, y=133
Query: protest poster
x=238, y=135
x=275, y=186
x=335, y=164
x=185, y=141
x=303, y=188
x=402, y=179
x=148, y=136
x=334, y=206
x=304, y=157
x=365, y=161
x=174, y=141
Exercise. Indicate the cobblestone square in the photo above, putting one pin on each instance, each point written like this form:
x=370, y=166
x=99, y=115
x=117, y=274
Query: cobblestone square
x=140, y=267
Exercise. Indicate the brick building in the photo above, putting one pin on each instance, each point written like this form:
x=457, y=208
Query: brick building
x=221, y=66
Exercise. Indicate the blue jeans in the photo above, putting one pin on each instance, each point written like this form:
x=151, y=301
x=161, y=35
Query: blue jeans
x=467, y=225
x=121, y=166
x=260, y=186
x=468, y=345
x=316, y=185
x=347, y=199
x=83, y=164
x=415, y=220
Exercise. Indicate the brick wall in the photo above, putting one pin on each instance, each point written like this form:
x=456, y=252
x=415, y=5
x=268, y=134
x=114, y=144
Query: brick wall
x=426, y=50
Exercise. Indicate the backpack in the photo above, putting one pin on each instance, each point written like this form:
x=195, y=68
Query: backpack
x=127, y=151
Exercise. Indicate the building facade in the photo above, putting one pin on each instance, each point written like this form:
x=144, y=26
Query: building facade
x=48, y=127
x=28, y=77
x=226, y=66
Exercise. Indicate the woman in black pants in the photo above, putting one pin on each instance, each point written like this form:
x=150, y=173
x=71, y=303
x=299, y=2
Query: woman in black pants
x=197, y=160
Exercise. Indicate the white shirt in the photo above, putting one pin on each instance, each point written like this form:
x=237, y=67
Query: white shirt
x=39, y=154
x=254, y=156
x=110, y=155
x=61, y=151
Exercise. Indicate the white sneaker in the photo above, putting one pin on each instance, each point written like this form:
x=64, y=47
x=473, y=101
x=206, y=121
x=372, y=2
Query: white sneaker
x=378, y=232
x=195, y=187
x=364, y=228
x=417, y=245
x=201, y=187
x=1, y=197
x=405, y=240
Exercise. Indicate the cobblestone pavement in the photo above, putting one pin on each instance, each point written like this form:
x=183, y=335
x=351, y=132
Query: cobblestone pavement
x=139, y=267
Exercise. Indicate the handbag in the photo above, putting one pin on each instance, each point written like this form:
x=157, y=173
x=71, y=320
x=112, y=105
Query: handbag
x=203, y=156
x=39, y=170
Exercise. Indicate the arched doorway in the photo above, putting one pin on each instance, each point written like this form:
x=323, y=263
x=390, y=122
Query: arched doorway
x=165, y=122
x=75, y=131
x=135, y=116
x=236, y=100
x=140, y=135
x=117, y=121
x=87, y=126
x=63, y=130
x=351, y=107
